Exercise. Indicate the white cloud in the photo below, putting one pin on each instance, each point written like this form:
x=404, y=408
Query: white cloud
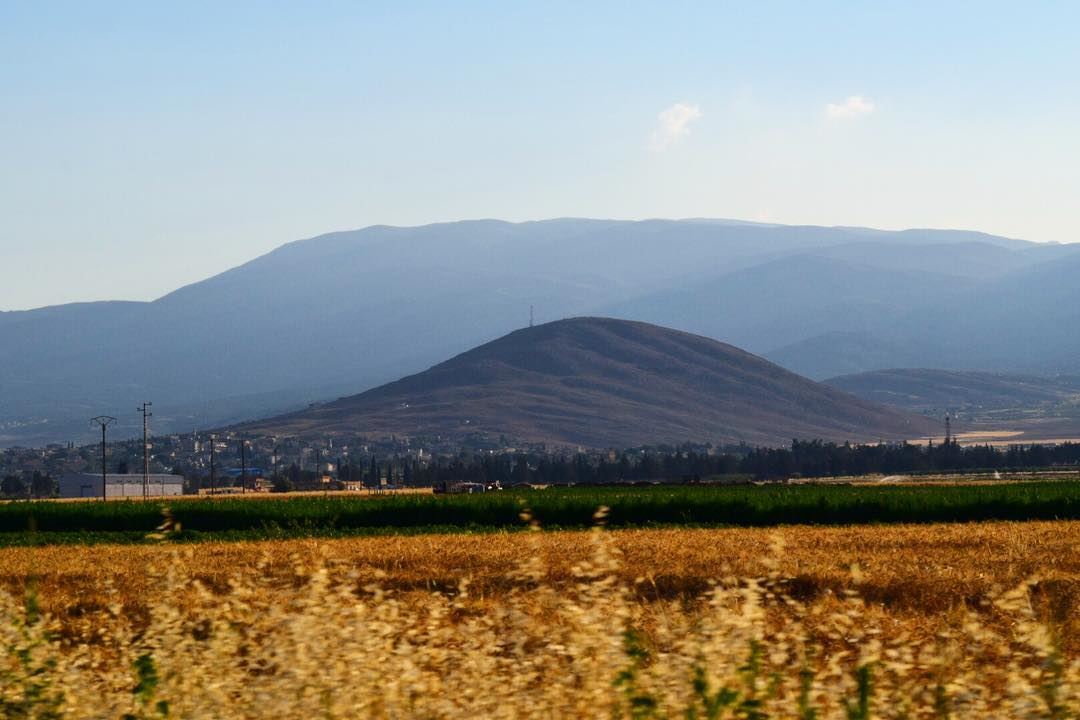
x=674, y=123
x=854, y=106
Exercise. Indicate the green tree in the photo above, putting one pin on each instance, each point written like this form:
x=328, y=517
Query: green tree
x=521, y=470
x=13, y=486
x=42, y=485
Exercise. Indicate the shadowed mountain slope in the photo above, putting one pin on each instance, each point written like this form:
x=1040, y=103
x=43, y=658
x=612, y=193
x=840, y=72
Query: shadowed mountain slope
x=601, y=382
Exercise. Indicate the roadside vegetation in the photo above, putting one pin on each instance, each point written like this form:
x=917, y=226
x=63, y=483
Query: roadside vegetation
x=651, y=506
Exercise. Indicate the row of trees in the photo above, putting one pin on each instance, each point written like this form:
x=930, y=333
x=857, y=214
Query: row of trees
x=818, y=459
x=36, y=485
x=394, y=471
x=802, y=459
x=809, y=459
x=533, y=468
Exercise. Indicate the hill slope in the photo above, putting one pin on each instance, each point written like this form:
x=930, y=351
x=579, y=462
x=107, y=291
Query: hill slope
x=944, y=390
x=601, y=382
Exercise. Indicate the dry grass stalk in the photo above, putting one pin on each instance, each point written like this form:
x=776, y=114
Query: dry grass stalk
x=340, y=640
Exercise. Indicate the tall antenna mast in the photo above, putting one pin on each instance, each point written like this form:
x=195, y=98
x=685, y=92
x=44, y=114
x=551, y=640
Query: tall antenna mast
x=530, y=316
x=948, y=429
x=104, y=421
x=146, y=415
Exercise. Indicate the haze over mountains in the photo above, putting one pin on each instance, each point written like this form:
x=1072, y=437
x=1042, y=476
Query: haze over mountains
x=598, y=382
x=334, y=315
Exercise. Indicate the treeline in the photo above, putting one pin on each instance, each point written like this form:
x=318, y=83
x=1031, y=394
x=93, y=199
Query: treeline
x=690, y=463
x=819, y=459
x=534, y=468
x=27, y=485
x=809, y=459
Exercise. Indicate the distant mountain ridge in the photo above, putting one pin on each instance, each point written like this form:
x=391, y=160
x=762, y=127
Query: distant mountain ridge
x=599, y=382
x=1024, y=322
x=336, y=314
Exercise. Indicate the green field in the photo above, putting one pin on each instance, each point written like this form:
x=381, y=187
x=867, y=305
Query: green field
x=321, y=516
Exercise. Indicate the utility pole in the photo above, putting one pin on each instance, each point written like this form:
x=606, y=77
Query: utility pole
x=146, y=415
x=277, y=449
x=104, y=421
x=213, y=442
x=243, y=465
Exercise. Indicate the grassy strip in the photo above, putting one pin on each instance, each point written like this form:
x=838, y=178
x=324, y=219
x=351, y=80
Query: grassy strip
x=320, y=516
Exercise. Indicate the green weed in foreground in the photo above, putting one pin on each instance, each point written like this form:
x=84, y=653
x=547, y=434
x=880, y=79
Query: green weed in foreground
x=235, y=518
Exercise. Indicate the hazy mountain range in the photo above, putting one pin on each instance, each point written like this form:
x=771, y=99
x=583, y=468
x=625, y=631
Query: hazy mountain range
x=337, y=314
x=598, y=382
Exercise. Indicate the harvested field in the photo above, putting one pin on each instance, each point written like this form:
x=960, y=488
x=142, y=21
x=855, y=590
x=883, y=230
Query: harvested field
x=914, y=568
x=569, y=624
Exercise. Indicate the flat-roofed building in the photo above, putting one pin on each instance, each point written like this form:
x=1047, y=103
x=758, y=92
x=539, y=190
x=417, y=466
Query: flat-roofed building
x=88, y=485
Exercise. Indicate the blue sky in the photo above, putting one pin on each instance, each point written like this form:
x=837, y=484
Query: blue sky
x=147, y=145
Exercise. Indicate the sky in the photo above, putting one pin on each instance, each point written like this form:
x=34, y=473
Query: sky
x=144, y=146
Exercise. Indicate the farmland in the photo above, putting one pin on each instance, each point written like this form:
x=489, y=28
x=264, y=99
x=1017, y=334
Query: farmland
x=846, y=600
x=660, y=506
x=927, y=620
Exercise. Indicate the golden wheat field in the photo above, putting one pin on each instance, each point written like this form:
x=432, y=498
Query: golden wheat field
x=974, y=620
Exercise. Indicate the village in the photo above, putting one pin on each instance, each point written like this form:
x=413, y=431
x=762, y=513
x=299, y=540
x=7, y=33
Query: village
x=212, y=463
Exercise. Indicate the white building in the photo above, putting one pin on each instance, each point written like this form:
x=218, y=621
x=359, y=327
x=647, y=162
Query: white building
x=88, y=485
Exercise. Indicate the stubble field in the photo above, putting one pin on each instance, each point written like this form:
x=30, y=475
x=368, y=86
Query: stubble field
x=953, y=620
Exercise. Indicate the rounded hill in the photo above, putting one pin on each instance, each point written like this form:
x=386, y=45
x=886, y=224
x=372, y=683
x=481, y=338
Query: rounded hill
x=600, y=382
